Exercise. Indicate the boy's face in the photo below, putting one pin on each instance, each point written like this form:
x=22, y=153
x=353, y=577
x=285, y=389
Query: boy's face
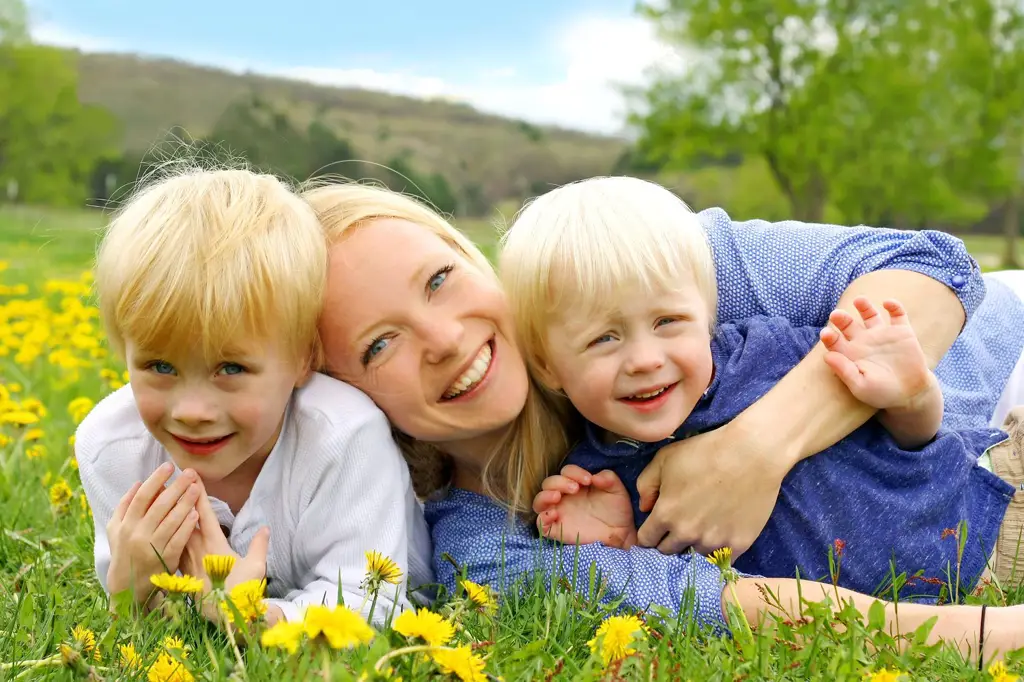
x=214, y=416
x=639, y=370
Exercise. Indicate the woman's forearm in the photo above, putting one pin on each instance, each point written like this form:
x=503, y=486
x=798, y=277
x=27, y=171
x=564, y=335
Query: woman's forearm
x=810, y=409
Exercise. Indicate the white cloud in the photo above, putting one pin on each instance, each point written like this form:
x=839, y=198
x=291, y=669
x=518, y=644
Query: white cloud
x=595, y=55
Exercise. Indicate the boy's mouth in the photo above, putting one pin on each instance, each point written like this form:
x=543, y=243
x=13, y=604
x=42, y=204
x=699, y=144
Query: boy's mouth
x=649, y=395
x=203, y=446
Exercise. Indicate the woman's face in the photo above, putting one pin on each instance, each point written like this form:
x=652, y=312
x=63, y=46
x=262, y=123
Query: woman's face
x=413, y=324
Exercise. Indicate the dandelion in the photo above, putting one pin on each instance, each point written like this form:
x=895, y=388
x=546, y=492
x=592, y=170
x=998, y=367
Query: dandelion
x=177, y=584
x=19, y=418
x=283, y=635
x=425, y=624
x=340, y=626
x=4, y=440
x=130, y=658
x=86, y=640
x=170, y=643
x=167, y=669
x=481, y=596
x=999, y=673
x=380, y=568
x=461, y=662
x=60, y=494
x=885, y=675
x=615, y=636
x=33, y=434
x=247, y=598
x=218, y=567
x=35, y=451
x=79, y=408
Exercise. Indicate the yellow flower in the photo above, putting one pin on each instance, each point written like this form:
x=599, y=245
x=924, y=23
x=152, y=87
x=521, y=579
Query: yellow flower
x=14, y=388
x=33, y=434
x=71, y=440
x=380, y=568
x=79, y=408
x=19, y=418
x=4, y=440
x=86, y=640
x=885, y=675
x=60, y=493
x=177, y=584
x=130, y=658
x=615, y=637
x=167, y=669
x=461, y=662
x=218, y=567
x=248, y=599
x=722, y=557
x=340, y=626
x=4, y=265
x=480, y=596
x=425, y=624
x=283, y=635
x=999, y=673
x=35, y=451
x=171, y=643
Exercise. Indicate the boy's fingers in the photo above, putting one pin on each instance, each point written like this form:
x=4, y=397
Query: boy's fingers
x=608, y=481
x=173, y=519
x=844, y=368
x=126, y=499
x=148, y=491
x=165, y=502
x=576, y=473
x=897, y=313
x=868, y=312
x=180, y=538
x=561, y=484
x=546, y=499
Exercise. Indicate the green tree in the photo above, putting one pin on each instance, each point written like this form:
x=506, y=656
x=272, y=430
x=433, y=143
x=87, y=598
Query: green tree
x=839, y=98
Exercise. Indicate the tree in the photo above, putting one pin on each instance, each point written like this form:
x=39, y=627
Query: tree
x=840, y=98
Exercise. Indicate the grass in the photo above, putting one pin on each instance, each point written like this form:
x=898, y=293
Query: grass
x=51, y=354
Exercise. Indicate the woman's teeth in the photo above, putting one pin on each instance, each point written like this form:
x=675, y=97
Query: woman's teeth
x=473, y=375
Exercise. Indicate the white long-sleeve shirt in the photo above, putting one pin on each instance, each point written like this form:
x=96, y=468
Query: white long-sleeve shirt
x=334, y=487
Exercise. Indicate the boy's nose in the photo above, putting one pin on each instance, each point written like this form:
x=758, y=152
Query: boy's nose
x=192, y=410
x=644, y=358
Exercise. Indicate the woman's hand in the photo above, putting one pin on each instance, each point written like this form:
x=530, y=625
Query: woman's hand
x=713, y=490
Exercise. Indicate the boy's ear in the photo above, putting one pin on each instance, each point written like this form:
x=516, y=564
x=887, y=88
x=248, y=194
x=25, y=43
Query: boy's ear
x=545, y=376
x=305, y=375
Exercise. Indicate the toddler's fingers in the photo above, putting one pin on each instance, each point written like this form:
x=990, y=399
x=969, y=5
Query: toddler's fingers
x=843, y=323
x=561, y=484
x=546, y=499
x=608, y=481
x=845, y=369
x=181, y=536
x=176, y=516
x=576, y=473
x=868, y=312
x=897, y=313
x=147, y=492
x=126, y=499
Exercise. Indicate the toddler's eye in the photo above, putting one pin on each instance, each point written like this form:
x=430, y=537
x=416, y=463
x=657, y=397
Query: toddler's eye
x=161, y=367
x=231, y=368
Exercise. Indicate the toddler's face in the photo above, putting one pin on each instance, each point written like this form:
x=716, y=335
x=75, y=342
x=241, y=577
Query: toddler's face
x=639, y=370
x=214, y=417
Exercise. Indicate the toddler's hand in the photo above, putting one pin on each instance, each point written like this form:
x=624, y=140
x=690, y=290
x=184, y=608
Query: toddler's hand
x=881, y=361
x=576, y=507
x=149, y=529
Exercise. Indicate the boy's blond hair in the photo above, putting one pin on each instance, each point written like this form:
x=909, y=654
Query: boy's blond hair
x=211, y=259
x=583, y=246
x=537, y=440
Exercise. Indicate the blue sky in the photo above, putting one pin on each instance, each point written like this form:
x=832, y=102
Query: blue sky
x=550, y=62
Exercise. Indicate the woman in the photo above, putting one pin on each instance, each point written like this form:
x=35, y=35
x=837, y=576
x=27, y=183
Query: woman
x=414, y=317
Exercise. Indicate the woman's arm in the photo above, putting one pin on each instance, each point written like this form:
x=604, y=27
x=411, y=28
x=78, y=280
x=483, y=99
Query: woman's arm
x=718, y=489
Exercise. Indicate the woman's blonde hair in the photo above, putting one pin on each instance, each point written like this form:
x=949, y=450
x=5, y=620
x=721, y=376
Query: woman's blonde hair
x=583, y=246
x=537, y=439
x=210, y=257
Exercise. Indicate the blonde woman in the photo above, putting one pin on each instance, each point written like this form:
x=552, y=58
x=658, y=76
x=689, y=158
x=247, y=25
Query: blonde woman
x=414, y=317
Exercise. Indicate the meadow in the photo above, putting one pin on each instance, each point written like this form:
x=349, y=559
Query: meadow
x=55, y=621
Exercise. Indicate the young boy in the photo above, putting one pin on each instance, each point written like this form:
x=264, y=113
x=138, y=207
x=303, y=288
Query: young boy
x=210, y=284
x=613, y=286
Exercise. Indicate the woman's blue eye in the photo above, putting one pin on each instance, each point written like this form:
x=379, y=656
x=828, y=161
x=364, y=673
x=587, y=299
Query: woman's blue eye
x=161, y=367
x=232, y=368
x=376, y=347
x=437, y=280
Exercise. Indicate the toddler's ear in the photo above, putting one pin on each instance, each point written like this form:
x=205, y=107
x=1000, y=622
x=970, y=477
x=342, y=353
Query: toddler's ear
x=544, y=375
x=304, y=376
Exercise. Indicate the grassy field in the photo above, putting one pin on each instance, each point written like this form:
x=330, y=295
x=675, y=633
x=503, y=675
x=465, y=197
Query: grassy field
x=55, y=622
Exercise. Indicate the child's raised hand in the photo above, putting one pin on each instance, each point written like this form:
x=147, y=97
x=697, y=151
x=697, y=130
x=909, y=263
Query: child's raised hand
x=576, y=507
x=149, y=529
x=881, y=361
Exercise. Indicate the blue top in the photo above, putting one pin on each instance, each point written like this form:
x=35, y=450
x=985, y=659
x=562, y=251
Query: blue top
x=797, y=271
x=885, y=503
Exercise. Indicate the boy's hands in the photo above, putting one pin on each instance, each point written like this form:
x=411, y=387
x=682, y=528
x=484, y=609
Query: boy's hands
x=883, y=365
x=151, y=519
x=576, y=507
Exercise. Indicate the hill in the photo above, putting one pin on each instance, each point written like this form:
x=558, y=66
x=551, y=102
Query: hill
x=503, y=158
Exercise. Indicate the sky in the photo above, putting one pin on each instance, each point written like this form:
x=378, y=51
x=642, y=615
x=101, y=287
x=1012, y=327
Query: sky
x=545, y=61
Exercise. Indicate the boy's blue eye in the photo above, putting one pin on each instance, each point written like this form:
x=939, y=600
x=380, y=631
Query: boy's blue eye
x=663, y=321
x=601, y=339
x=232, y=368
x=161, y=367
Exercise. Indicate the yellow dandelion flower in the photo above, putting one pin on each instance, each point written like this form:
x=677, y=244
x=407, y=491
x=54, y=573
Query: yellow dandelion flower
x=60, y=493
x=615, y=637
x=722, y=557
x=4, y=265
x=71, y=440
x=218, y=567
x=83, y=502
x=86, y=640
x=177, y=584
x=425, y=624
x=885, y=675
x=73, y=462
x=14, y=388
x=999, y=673
x=461, y=662
x=167, y=669
x=35, y=451
x=130, y=658
x=171, y=643
x=481, y=596
x=380, y=568
x=283, y=635
x=4, y=440
x=33, y=434
x=19, y=418
x=79, y=408
x=340, y=626
x=248, y=599
x=108, y=375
